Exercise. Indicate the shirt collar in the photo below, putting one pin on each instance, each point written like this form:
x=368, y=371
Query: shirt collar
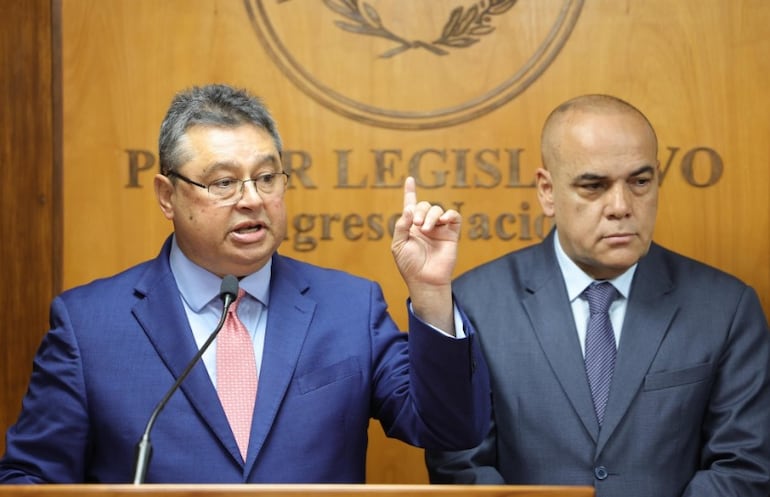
x=199, y=286
x=577, y=280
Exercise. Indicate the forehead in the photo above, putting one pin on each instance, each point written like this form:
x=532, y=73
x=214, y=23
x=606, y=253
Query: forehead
x=242, y=146
x=609, y=144
x=246, y=135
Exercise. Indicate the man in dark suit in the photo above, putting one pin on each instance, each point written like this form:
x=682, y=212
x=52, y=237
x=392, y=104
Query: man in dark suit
x=681, y=407
x=327, y=355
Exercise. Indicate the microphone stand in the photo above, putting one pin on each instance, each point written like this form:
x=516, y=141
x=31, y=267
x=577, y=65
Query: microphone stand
x=144, y=447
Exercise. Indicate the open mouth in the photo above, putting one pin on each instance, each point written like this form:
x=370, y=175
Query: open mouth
x=251, y=228
x=249, y=232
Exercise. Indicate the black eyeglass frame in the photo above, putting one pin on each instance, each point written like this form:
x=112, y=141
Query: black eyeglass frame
x=241, y=181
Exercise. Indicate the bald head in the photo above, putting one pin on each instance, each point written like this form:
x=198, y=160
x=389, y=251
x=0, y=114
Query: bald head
x=599, y=182
x=569, y=115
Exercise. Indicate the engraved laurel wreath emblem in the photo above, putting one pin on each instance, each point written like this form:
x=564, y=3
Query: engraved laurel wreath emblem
x=541, y=28
x=463, y=28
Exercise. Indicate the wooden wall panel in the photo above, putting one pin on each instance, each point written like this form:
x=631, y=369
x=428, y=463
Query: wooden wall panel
x=29, y=250
x=698, y=68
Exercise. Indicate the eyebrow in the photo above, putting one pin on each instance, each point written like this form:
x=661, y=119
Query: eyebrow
x=265, y=159
x=644, y=170
x=594, y=177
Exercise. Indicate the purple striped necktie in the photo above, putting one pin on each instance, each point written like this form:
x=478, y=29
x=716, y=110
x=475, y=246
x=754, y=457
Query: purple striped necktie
x=600, y=348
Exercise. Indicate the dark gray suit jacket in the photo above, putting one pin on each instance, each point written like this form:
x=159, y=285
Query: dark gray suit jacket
x=689, y=407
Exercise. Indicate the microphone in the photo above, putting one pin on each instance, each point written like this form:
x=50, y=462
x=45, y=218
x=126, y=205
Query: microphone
x=228, y=292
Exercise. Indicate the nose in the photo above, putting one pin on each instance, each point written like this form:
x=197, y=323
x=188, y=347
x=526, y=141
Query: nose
x=249, y=193
x=619, y=200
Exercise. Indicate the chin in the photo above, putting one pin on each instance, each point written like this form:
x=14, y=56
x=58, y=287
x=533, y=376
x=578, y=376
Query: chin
x=620, y=266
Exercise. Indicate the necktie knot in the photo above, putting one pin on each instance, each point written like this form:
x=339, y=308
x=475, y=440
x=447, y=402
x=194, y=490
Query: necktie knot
x=234, y=306
x=600, y=297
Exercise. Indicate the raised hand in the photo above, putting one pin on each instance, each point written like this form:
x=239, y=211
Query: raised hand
x=425, y=250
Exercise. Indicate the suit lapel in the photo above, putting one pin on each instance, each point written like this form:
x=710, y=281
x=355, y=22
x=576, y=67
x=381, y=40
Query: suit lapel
x=161, y=314
x=648, y=317
x=554, y=326
x=288, y=321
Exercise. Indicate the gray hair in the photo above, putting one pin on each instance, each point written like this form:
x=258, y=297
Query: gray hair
x=212, y=105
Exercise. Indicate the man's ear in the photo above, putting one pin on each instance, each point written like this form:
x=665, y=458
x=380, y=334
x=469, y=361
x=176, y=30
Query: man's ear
x=544, y=184
x=164, y=190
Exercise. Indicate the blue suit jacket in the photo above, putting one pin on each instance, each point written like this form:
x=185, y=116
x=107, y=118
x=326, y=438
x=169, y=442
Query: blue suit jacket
x=333, y=359
x=689, y=407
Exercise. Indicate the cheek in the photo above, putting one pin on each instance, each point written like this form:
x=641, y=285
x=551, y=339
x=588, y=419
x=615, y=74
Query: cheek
x=276, y=210
x=203, y=218
x=193, y=212
x=649, y=222
x=648, y=210
x=574, y=211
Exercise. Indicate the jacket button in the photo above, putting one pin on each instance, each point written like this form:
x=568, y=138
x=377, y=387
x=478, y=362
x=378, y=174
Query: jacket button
x=600, y=472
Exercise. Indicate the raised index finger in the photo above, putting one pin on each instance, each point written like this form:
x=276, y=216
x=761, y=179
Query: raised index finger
x=410, y=195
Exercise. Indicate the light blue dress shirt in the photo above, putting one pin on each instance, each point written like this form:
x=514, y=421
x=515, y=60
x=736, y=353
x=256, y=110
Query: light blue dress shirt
x=199, y=291
x=577, y=281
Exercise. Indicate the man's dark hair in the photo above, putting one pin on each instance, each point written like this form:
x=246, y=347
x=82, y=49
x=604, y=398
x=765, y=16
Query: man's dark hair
x=211, y=105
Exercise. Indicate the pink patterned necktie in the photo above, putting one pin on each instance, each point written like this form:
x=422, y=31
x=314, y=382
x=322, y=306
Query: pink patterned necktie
x=237, y=375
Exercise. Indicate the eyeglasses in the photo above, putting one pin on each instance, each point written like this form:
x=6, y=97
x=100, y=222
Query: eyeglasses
x=231, y=189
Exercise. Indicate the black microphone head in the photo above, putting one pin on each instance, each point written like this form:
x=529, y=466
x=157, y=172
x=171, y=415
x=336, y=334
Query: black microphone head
x=229, y=287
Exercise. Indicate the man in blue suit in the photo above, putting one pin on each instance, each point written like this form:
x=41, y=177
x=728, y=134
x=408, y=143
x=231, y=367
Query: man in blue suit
x=328, y=356
x=681, y=406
